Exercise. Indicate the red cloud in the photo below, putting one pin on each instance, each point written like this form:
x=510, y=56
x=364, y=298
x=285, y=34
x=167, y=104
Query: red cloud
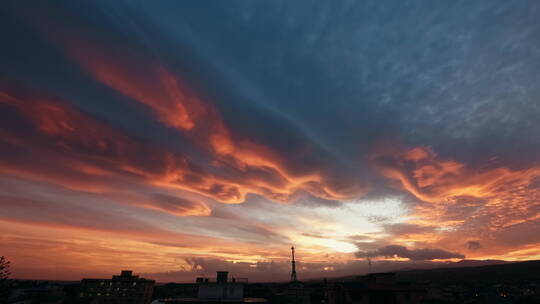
x=82, y=153
x=177, y=106
x=72, y=149
x=432, y=180
x=177, y=206
x=463, y=200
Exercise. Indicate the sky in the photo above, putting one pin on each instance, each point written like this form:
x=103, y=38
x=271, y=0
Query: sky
x=178, y=138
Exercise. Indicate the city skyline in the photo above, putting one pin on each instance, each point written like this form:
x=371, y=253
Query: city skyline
x=183, y=138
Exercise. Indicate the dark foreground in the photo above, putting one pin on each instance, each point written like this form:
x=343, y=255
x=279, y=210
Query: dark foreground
x=507, y=283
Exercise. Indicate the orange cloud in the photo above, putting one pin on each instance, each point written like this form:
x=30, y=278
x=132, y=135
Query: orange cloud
x=177, y=206
x=46, y=250
x=432, y=180
x=81, y=153
x=488, y=203
x=176, y=105
x=85, y=154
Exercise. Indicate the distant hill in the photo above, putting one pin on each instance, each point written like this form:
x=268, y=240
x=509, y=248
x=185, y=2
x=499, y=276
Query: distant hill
x=438, y=265
x=474, y=263
x=462, y=270
x=528, y=271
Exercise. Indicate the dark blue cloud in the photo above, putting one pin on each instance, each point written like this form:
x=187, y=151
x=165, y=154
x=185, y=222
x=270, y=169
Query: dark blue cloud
x=321, y=83
x=347, y=74
x=422, y=254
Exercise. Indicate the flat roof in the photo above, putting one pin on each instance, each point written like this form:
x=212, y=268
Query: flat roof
x=244, y=300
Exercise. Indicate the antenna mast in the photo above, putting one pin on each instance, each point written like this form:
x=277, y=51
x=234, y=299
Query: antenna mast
x=293, y=264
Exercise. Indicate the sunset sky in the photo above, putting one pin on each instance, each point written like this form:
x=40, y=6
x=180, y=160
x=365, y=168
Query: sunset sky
x=177, y=138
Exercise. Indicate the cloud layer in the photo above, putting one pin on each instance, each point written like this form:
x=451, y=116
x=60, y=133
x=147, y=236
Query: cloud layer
x=420, y=254
x=191, y=137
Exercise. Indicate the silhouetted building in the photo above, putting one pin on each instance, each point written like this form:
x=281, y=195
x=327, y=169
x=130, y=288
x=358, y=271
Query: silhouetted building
x=375, y=288
x=123, y=289
x=294, y=292
x=36, y=292
x=222, y=289
x=219, y=291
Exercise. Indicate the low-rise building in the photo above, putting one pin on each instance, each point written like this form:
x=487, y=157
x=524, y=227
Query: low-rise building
x=222, y=290
x=374, y=288
x=122, y=289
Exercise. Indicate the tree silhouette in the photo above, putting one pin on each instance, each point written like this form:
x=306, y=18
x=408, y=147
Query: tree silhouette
x=5, y=283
